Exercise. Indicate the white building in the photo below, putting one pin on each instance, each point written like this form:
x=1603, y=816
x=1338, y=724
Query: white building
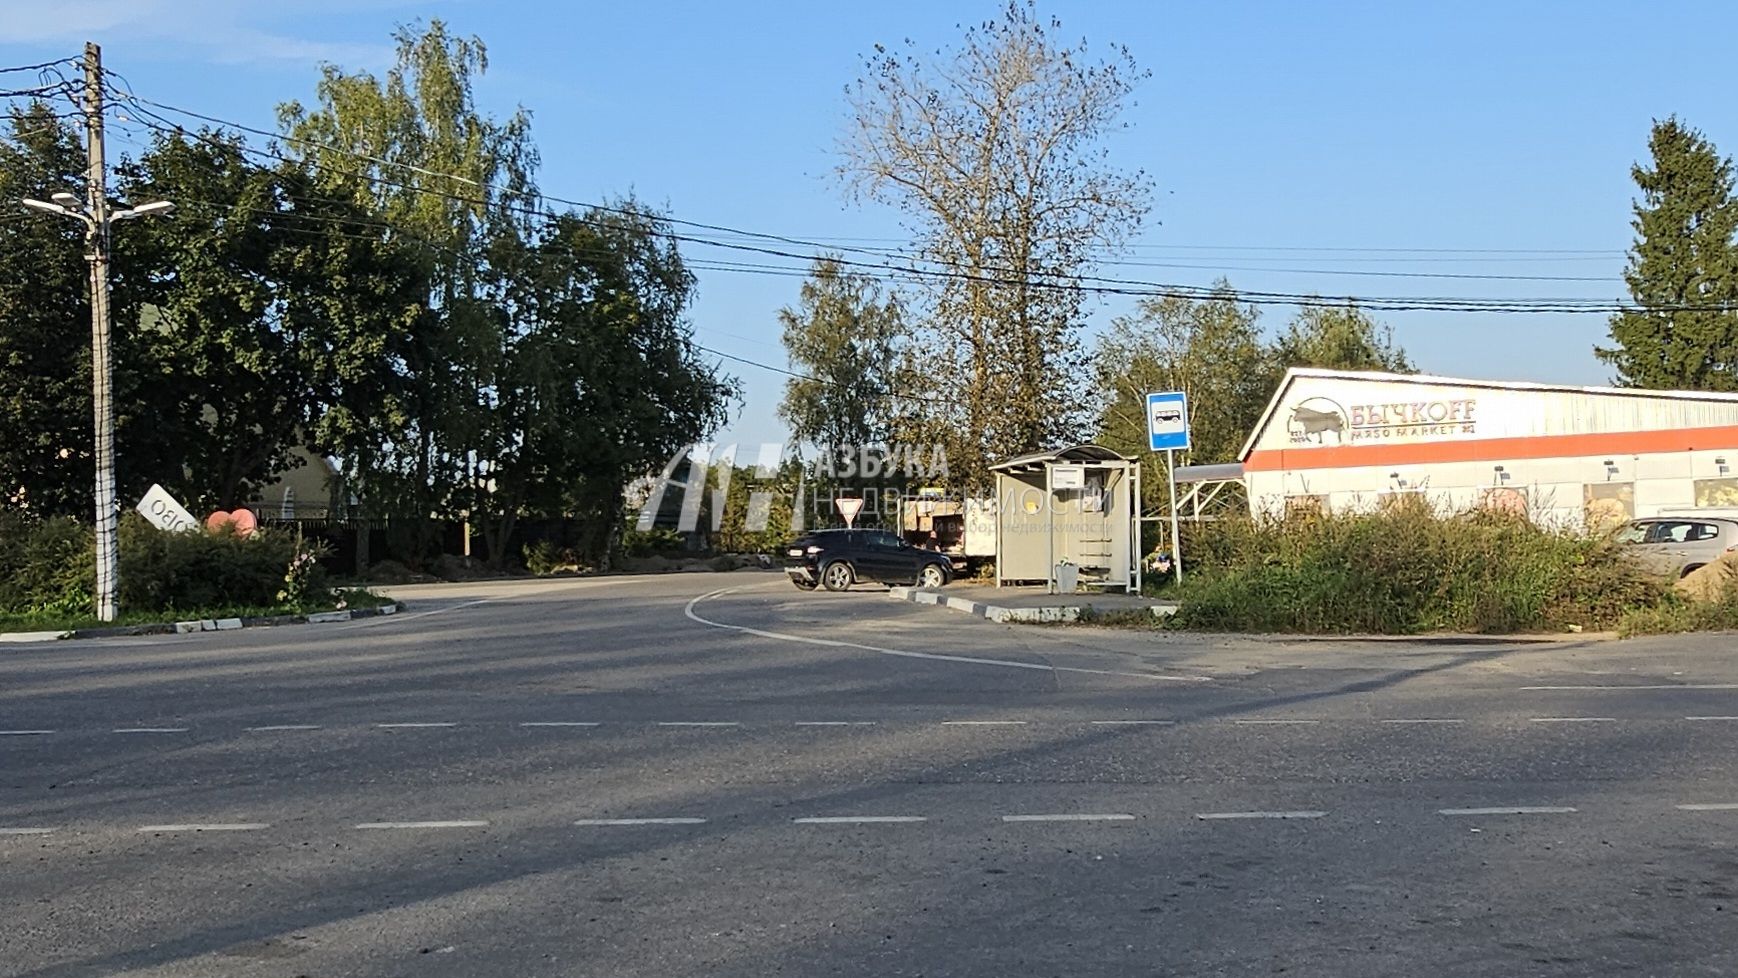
x=1567, y=456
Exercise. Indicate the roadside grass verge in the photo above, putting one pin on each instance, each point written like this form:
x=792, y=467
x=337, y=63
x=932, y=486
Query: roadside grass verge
x=47, y=621
x=1678, y=614
x=1407, y=571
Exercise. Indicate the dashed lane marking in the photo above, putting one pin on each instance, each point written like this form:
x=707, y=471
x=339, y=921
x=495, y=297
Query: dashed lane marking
x=149, y=730
x=640, y=821
x=857, y=819
x=698, y=723
x=1134, y=723
x=1218, y=816
x=909, y=654
x=1423, y=720
x=25, y=733
x=451, y=824
x=25, y=830
x=559, y=723
x=1072, y=817
x=1653, y=687
x=1273, y=723
x=1711, y=718
x=1572, y=719
x=206, y=827
x=834, y=723
x=983, y=723
x=276, y=727
x=412, y=726
x=1719, y=806
x=1512, y=810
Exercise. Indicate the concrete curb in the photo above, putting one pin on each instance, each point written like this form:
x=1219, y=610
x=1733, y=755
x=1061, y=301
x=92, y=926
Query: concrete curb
x=998, y=613
x=205, y=625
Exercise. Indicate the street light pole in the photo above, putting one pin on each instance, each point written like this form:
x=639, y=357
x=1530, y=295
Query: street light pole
x=102, y=359
x=97, y=219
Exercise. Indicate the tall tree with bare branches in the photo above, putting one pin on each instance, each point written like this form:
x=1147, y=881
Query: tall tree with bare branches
x=996, y=154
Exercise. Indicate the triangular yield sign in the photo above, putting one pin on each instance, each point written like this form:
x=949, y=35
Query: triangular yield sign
x=849, y=508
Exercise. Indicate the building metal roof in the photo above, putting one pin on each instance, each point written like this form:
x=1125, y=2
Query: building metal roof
x=1073, y=455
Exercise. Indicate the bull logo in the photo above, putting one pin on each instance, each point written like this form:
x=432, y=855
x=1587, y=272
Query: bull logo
x=1314, y=419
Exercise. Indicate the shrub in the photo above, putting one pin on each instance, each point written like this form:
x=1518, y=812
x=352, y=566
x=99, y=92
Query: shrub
x=658, y=541
x=46, y=567
x=192, y=571
x=1680, y=613
x=1406, y=571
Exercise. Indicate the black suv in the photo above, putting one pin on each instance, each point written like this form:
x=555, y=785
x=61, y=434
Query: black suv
x=837, y=559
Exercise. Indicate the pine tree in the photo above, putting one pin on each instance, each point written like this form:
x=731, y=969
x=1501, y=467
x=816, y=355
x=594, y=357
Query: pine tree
x=1683, y=262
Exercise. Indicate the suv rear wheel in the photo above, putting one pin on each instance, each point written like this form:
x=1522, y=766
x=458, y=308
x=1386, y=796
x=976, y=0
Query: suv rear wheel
x=836, y=576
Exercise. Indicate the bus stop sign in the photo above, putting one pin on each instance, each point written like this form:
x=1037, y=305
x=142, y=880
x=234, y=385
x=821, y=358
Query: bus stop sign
x=1168, y=421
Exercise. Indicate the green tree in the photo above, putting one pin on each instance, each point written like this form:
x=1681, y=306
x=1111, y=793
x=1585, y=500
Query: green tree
x=46, y=432
x=596, y=379
x=1339, y=338
x=1682, y=272
x=844, y=337
x=1212, y=350
x=996, y=153
x=414, y=148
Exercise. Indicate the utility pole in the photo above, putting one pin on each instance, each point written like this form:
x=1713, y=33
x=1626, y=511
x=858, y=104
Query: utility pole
x=102, y=359
x=97, y=218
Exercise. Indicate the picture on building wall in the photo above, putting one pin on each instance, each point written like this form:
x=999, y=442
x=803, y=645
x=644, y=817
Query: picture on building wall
x=1607, y=505
x=1717, y=492
x=1506, y=500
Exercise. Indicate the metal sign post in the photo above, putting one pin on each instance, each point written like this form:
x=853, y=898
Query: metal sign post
x=1168, y=431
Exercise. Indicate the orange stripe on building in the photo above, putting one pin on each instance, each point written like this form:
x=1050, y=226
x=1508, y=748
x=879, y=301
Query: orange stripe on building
x=1494, y=449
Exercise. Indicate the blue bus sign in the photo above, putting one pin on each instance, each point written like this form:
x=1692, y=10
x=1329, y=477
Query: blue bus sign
x=1168, y=421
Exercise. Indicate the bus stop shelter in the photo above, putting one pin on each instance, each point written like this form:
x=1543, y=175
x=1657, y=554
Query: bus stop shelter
x=1067, y=519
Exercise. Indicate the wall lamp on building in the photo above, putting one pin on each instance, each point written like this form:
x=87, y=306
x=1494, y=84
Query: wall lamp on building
x=1501, y=476
x=1399, y=483
x=1610, y=470
x=1720, y=466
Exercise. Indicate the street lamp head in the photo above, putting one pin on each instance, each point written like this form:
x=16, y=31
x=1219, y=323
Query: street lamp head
x=69, y=201
x=155, y=207
x=43, y=205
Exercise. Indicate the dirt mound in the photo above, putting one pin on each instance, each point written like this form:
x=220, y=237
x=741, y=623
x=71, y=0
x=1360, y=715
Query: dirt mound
x=1711, y=582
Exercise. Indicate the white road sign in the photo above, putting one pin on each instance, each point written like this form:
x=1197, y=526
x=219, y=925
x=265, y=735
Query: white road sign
x=164, y=512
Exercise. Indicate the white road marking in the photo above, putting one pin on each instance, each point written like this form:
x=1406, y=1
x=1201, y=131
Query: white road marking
x=412, y=726
x=857, y=819
x=1572, y=719
x=1516, y=810
x=640, y=821
x=558, y=723
x=284, y=726
x=983, y=723
x=148, y=730
x=25, y=831
x=1711, y=718
x=1423, y=720
x=1214, y=816
x=207, y=827
x=1071, y=817
x=1720, y=806
x=458, y=824
x=908, y=654
x=698, y=723
x=1134, y=723
x=1661, y=686
x=834, y=723
x=25, y=733
x=1274, y=723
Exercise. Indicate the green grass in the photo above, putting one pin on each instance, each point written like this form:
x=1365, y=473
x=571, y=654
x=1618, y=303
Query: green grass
x=1406, y=571
x=49, y=621
x=1677, y=614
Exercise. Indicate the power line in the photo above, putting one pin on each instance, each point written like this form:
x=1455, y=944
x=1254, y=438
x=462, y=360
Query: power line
x=1098, y=285
x=38, y=67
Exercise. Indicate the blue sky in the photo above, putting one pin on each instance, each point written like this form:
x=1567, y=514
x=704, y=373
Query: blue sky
x=1273, y=131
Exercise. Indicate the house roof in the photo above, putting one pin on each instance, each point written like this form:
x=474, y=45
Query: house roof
x=1374, y=376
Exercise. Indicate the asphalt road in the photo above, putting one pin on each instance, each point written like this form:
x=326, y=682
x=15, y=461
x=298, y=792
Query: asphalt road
x=717, y=775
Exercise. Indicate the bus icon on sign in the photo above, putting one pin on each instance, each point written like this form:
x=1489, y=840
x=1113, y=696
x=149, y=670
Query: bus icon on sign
x=1167, y=421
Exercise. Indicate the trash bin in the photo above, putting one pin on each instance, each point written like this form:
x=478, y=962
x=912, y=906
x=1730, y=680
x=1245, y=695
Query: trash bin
x=1067, y=577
